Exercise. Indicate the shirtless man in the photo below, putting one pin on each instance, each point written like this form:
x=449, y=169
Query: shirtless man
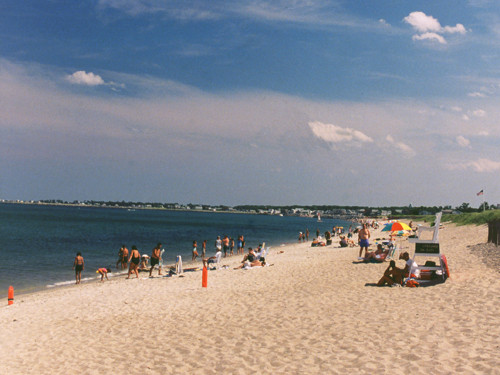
x=395, y=275
x=78, y=266
x=363, y=237
x=155, y=259
x=225, y=243
x=124, y=257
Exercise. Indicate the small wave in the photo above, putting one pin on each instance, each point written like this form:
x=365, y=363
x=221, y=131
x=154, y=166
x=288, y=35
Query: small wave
x=63, y=283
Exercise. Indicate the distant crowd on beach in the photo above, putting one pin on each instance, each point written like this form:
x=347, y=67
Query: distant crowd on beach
x=224, y=247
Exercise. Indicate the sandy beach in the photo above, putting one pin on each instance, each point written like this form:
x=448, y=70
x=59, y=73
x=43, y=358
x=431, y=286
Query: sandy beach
x=309, y=312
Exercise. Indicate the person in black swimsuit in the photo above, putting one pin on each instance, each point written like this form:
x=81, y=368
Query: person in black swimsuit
x=78, y=266
x=135, y=258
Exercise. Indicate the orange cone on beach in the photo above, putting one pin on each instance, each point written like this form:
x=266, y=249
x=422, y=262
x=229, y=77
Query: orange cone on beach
x=11, y=295
x=204, y=278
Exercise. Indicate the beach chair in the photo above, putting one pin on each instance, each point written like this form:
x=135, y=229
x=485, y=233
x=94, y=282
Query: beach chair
x=430, y=248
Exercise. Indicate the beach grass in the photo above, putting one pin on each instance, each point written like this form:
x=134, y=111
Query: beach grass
x=473, y=218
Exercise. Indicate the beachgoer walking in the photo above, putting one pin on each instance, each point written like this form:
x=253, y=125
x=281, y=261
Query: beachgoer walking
x=134, y=259
x=195, y=251
x=155, y=259
x=307, y=234
x=317, y=233
x=104, y=273
x=78, y=266
x=363, y=239
x=231, y=246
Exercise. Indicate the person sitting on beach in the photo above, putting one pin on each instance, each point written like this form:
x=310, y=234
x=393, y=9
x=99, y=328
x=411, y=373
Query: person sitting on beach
x=378, y=255
x=144, y=265
x=394, y=275
x=155, y=259
x=328, y=238
x=251, y=260
x=78, y=266
x=343, y=241
x=316, y=242
x=135, y=258
x=212, y=260
x=104, y=273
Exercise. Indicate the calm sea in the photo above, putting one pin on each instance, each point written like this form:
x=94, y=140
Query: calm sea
x=38, y=243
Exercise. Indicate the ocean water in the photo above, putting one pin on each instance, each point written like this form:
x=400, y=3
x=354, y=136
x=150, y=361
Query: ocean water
x=38, y=244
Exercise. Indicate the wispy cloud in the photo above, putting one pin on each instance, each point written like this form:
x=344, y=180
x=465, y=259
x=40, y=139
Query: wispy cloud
x=319, y=13
x=480, y=165
x=429, y=28
x=403, y=147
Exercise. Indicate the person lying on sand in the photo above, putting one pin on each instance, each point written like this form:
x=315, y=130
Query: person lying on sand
x=250, y=260
x=378, y=255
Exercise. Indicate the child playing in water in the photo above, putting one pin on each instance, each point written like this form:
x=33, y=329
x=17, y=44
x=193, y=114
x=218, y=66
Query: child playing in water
x=103, y=272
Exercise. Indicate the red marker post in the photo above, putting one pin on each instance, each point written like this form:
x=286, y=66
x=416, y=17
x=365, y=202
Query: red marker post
x=11, y=295
x=204, y=277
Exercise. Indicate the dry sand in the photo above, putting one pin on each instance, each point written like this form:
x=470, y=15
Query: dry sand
x=309, y=313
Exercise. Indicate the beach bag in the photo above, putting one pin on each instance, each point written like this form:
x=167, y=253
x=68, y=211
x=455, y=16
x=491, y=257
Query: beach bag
x=412, y=283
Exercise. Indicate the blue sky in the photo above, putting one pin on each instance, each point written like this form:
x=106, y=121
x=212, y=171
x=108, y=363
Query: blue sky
x=251, y=102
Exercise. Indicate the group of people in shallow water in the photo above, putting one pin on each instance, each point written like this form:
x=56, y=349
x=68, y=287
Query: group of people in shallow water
x=136, y=262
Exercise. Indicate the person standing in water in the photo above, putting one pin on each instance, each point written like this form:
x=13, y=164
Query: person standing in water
x=78, y=266
x=134, y=259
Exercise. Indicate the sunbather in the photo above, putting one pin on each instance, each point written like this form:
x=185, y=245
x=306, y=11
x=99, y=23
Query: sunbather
x=378, y=255
x=250, y=260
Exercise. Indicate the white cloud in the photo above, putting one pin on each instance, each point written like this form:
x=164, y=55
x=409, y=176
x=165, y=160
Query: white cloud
x=457, y=29
x=83, y=78
x=407, y=150
x=476, y=95
x=422, y=22
x=335, y=134
x=483, y=133
x=462, y=141
x=430, y=36
x=429, y=28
